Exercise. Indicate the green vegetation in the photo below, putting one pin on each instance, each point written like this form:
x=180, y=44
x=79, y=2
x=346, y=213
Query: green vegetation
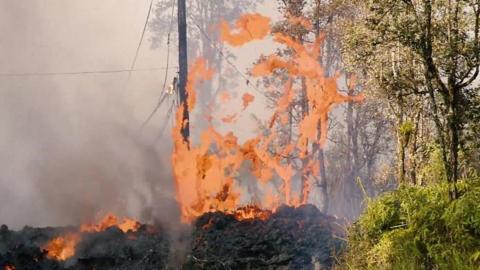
x=418, y=227
x=422, y=58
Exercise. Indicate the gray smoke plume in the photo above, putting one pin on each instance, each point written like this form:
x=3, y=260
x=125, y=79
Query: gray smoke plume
x=70, y=156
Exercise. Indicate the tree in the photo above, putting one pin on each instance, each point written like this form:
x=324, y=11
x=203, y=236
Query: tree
x=359, y=156
x=425, y=56
x=342, y=161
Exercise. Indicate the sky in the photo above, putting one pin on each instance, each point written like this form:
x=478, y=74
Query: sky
x=57, y=131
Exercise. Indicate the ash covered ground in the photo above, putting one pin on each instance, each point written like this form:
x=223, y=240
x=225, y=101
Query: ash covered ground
x=290, y=238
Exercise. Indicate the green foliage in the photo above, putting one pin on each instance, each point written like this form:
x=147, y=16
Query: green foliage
x=407, y=128
x=433, y=169
x=423, y=58
x=418, y=228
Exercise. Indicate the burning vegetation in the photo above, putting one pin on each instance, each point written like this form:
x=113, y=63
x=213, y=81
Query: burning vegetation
x=206, y=174
x=277, y=229
x=110, y=220
x=63, y=247
x=261, y=202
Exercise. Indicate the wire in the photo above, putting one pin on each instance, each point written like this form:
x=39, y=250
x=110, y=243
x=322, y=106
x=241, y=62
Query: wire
x=132, y=66
x=134, y=62
x=59, y=73
x=142, y=36
x=167, y=118
x=163, y=95
x=245, y=77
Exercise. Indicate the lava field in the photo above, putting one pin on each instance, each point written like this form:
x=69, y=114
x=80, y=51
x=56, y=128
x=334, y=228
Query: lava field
x=289, y=238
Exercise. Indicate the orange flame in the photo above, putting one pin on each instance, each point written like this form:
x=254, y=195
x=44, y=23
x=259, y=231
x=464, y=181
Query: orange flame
x=206, y=174
x=111, y=220
x=247, y=98
x=248, y=27
x=9, y=267
x=62, y=248
x=128, y=224
x=252, y=212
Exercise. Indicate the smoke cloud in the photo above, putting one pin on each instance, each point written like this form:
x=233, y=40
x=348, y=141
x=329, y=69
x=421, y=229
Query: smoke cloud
x=69, y=156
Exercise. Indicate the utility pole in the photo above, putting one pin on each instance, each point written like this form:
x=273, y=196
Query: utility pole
x=183, y=68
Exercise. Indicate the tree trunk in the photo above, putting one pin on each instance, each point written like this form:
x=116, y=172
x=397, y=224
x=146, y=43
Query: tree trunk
x=454, y=143
x=305, y=159
x=323, y=180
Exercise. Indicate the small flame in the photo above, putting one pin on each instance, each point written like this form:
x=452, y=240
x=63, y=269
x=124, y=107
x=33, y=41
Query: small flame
x=129, y=224
x=9, y=267
x=63, y=247
x=252, y=212
x=247, y=98
x=247, y=28
x=111, y=220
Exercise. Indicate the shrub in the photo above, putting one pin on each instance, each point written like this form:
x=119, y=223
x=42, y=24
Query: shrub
x=418, y=228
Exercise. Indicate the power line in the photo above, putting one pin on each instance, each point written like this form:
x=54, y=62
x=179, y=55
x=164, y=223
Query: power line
x=90, y=72
x=163, y=95
x=132, y=66
x=167, y=118
x=134, y=62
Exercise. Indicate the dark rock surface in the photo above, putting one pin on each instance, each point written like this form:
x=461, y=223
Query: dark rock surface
x=110, y=249
x=291, y=238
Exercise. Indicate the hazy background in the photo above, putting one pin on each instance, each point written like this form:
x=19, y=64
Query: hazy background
x=70, y=146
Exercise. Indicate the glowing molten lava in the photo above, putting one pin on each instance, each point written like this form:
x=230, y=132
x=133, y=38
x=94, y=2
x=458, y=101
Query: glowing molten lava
x=63, y=247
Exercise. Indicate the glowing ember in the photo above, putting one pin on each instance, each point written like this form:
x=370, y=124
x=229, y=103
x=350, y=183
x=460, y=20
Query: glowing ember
x=63, y=247
x=9, y=267
x=252, y=212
